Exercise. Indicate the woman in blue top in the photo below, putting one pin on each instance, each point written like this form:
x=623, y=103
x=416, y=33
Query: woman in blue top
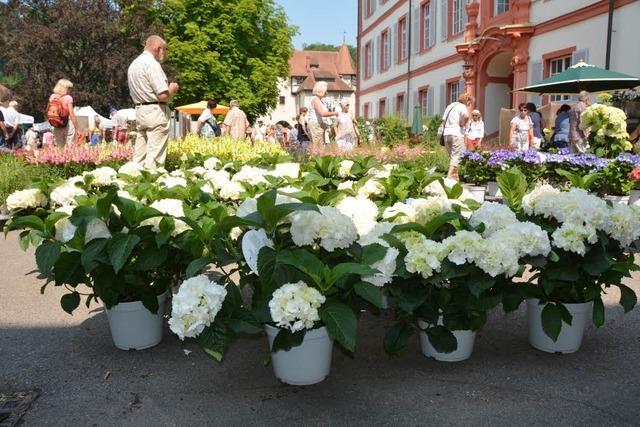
x=560, y=136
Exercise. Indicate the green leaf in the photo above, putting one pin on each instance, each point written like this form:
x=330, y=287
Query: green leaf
x=47, y=255
x=596, y=261
x=442, y=339
x=68, y=269
x=196, y=266
x=94, y=254
x=214, y=339
x=347, y=268
x=120, y=248
x=150, y=258
x=286, y=340
x=373, y=253
x=437, y=222
x=70, y=302
x=480, y=283
x=103, y=205
x=29, y=221
x=369, y=292
x=24, y=239
x=243, y=322
x=565, y=314
x=551, y=321
x=628, y=298
x=341, y=323
x=513, y=185
x=304, y=261
x=598, y=312
x=397, y=337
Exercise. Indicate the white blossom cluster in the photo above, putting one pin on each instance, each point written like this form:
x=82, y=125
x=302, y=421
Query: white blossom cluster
x=102, y=176
x=334, y=229
x=387, y=265
x=132, y=169
x=295, y=306
x=212, y=163
x=371, y=189
x=344, y=169
x=286, y=170
x=362, y=211
x=581, y=215
x=195, y=306
x=251, y=175
x=494, y=216
x=65, y=195
x=418, y=210
x=172, y=207
x=26, y=199
x=605, y=121
x=424, y=256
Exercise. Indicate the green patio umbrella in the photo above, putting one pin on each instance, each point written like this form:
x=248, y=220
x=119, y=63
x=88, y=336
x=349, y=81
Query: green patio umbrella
x=416, y=124
x=580, y=77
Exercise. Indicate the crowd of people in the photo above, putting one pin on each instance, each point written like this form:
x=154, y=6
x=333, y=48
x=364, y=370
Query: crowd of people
x=462, y=129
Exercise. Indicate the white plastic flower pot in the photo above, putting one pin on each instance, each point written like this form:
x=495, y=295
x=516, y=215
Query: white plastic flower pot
x=493, y=190
x=618, y=199
x=309, y=363
x=477, y=192
x=133, y=327
x=465, y=339
x=634, y=197
x=570, y=337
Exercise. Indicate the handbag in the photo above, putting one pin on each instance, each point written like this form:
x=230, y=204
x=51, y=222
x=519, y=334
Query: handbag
x=441, y=133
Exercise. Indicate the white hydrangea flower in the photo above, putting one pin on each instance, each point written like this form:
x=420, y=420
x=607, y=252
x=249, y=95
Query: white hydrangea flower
x=346, y=185
x=344, y=168
x=386, y=267
x=26, y=199
x=525, y=238
x=76, y=179
x=172, y=207
x=198, y=170
x=217, y=178
x=424, y=210
x=362, y=211
x=195, y=306
x=294, y=306
x=132, y=169
x=231, y=190
x=251, y=175
x=252, y=242
x=178, y=173
x=424, y=256
x=371, y=188
x=235, y=233
x=212, y=163
x=497, y=257
x=102, y=176
x=529, y=201
x=289, y=170
x=464, y=246
x=96, y=229
x=571, y=237
x=623, y=224
x=375, y=234
x=172, y=181
x=247, y=207
x=66, y=194
x=126, y=195
x=494, y=216
x=65, y=230
x=404, y=212
x=334, y=229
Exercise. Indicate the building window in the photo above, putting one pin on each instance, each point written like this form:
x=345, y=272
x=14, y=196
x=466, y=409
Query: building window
x=453, y=90
x=368, y=60
x=281, y=100
x=369, y=7
x=402, y=39
x=558, y=65
x=459, y=16
x=423, y=97
x=425, y=27
x=366, y=110
x=385, y=46
x=400, y=104
x=382, y=107
x=500, y=6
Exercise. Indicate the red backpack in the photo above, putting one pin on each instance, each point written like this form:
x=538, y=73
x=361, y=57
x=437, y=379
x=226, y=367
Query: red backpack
x=57, y=113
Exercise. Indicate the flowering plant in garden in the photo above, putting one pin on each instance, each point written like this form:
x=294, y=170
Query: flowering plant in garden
x=589, y=239
x=634, y=177
x=607, y=126
x=79, y=154
x=454, y=270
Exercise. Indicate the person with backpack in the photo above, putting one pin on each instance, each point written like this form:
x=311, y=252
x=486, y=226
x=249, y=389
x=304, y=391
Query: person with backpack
x=207, y=125
x=61, y=115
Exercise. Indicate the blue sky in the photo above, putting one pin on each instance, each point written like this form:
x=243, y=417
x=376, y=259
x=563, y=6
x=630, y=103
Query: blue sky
x=322, y=21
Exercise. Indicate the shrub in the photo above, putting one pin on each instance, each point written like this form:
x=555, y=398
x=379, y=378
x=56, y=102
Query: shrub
x=224, y=148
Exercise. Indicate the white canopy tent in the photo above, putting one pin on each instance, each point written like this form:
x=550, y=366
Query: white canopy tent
x=26, y=120
x=42, y=127
x=90, y=114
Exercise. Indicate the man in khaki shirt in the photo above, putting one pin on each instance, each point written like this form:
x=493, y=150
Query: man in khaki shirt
x=150, y=92
x=236, y=123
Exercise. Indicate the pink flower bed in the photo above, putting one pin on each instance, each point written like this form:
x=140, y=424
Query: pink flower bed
x=80, y=154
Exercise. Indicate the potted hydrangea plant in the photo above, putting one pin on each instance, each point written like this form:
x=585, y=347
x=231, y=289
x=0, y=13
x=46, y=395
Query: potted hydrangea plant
x=306, y=269
x=590, y=238
x=453, y=272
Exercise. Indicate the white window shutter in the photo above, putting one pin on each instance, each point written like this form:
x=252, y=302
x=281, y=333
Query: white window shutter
x=395, y=44
x=580, y=55
x=376, y=55
x=433, y=13
x=444, y=20
x=443, y=96
x=415, y=30
x=536, y=76
x=430, y=101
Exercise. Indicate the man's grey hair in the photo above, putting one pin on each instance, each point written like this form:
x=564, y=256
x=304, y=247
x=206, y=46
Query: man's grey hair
x=233, y=103
x=584, y=95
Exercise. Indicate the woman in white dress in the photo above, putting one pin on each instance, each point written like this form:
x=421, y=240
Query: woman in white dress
x=345, y=131
x=317, y=112
x=521, y=132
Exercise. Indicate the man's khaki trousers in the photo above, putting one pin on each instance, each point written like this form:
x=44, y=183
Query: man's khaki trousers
x=152, y=140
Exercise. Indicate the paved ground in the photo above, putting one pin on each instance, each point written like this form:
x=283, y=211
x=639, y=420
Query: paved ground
x=84, y=380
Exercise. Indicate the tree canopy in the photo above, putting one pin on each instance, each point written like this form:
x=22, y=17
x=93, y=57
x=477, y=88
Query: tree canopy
x=225, y=49
x=228, y=49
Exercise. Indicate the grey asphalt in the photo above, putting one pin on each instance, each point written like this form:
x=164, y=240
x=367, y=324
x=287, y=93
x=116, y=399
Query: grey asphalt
x=84, y=380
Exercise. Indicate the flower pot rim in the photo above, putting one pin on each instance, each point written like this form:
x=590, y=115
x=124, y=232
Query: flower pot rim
x=420, y=320
x=309, y=333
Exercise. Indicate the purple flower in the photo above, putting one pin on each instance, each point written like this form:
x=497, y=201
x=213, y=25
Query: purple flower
x=531, y=157
x=628, y=158
x=500, y=157
x=472, y=156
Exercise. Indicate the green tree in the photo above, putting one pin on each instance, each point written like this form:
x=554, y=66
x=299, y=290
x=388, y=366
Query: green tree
x=228, y=49
x=330, y=48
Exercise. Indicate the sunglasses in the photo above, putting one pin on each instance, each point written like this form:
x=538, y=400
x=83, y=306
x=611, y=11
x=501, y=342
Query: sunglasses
x=524, y=110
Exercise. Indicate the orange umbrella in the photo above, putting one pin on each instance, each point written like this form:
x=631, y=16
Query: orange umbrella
x=199, y=107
